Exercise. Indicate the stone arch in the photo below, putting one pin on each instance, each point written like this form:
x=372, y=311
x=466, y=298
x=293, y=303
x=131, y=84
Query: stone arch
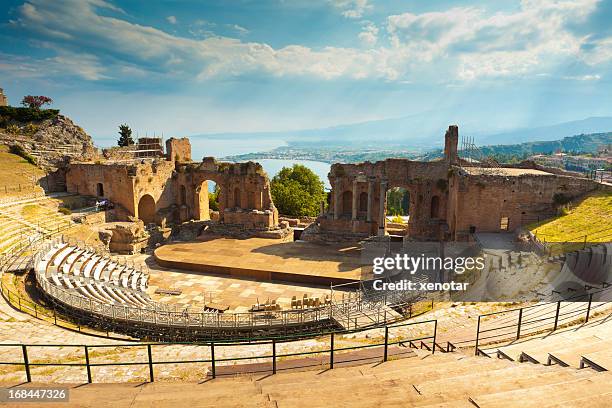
x=435, y=207
x=146, y=209
x=347, y=202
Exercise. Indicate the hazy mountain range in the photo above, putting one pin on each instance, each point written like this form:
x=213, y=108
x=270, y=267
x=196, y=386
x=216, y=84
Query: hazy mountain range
x=412, y=132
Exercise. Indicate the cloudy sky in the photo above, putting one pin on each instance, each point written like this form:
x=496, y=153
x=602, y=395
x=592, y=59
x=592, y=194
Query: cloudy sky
x=186, y=67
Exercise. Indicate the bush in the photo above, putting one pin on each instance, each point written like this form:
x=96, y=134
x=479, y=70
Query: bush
x=13, y=130
x=12, y=113
x=30, y=129
x=561, y=199
x=19, y=151
x=65, y=211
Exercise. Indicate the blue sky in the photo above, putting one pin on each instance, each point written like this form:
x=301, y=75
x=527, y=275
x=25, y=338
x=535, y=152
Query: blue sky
x=187, y=67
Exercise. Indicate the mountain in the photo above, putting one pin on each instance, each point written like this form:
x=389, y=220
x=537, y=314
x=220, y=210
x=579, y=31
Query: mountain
x=414, y=133
x=547, y=133
x=580, y=144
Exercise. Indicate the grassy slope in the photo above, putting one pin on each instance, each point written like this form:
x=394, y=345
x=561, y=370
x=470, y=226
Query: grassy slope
x=15, y=171
x=592, y=217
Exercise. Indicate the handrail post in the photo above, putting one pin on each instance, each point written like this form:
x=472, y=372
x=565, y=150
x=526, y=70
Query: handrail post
x=477, y=337
x=386, y=343
x=433, y=349
x=151, y=378
x=87, y=364
x=212, y=358
x=26, y=363
x=331, y=352
x=518, y=328
x=273, y=356
x=557, y=315
x=589, y=308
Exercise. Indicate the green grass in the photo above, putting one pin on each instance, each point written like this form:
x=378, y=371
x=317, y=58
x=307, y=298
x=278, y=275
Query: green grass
x=589, y=217
x=16, y=171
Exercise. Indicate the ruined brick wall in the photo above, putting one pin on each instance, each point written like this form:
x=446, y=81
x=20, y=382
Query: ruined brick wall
x=162, y=191
x=480, y=202
x=124, y=184
x=244, y=196
x=366, y=185
x=113, y=181
x=178, y=149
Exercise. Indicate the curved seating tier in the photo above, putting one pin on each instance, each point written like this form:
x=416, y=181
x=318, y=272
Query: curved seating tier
x=85, y=273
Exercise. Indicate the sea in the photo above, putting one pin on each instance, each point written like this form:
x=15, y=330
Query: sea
x=204, y=146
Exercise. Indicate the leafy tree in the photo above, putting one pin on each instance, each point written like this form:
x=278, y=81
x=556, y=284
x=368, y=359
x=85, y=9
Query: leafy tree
x=35, y=102
x=398, y=201
x=213, y=199
x=297, y=191
x=125, y=136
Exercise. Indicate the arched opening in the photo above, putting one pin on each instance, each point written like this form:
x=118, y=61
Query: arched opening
x=398, y=210
x=146, y=209
x=100, y=190
x=435, y=207
x=237, y=202
x=208, y=199
x=183, y=195
x=363, y=202
x=347, y=203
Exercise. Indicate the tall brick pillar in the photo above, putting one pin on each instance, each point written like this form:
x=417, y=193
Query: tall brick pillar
x=451, y=141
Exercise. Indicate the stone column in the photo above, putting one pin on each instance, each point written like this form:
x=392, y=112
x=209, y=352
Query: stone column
x=355, y=199
x=337, y=198
x=370, y=199
x=381, y=208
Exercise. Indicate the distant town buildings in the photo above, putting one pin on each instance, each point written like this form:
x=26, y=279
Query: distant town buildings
x=576, y=162
x=3, y=99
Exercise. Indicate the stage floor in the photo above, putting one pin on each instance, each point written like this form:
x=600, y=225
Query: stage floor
x=268, y=260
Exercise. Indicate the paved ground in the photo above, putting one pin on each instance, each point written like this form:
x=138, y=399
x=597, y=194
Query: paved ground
x=198, y=289
x=267, y=259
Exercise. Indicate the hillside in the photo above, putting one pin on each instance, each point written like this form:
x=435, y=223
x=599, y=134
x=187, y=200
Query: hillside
x=44, y=134
x=579, y=144
x=590, y=218
x=17, y=176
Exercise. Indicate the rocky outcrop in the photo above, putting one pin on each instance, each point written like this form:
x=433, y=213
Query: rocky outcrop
x=53, y=142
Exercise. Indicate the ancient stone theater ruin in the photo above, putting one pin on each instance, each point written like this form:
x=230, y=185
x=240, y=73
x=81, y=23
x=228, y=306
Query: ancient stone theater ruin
x=173, y=189
x=449, y=199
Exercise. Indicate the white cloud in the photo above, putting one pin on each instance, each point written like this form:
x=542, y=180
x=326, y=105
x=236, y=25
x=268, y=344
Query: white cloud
x=352, y=8
x=369, y=35
x=171, y=19
x=588, y=77
x=239, y=29
x=456, y=44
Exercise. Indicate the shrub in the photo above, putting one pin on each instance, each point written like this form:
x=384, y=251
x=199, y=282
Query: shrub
x=65, y=211
x=561, y=199
x=13, y=129
x=19, y=151
x=30, y=129
x=27, y=114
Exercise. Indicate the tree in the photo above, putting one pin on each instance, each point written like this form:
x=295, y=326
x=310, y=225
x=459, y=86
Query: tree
x=297, y=191
x=35, y=102
x=125, y=136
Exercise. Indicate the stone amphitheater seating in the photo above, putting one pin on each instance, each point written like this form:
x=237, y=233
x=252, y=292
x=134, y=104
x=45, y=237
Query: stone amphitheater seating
x=71, y=268
x=567, y=347
x=441, y=381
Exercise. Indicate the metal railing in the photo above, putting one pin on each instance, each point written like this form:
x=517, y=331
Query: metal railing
x=425, y=341
x=512, y=324
x=83, y=309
